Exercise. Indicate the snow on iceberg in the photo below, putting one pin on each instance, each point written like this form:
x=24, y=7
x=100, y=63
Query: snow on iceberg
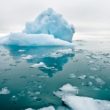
x=49, y=22
x=78, y=102
x=48, y=29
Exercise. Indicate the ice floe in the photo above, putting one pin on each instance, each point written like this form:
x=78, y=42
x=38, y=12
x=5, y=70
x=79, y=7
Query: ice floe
x=80, y=102
x=28, y=57
x=47, y=108
x=4, y=91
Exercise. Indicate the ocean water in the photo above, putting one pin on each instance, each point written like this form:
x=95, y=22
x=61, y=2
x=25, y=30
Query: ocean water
x=87, y=66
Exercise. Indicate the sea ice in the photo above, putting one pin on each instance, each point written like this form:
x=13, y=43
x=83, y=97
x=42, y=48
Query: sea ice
x=69, y=88
x=28, y=57
x=61, y=52
x=21, y=50
x=47, y=108
x=41, y=64
x=79, y=102
x=66, y=89
x=85, y=103
x=4, y=91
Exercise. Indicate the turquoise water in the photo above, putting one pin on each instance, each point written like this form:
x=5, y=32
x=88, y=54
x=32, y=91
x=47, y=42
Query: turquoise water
x=87, y=67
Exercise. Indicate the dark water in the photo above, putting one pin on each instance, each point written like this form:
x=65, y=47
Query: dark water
x=87, y=67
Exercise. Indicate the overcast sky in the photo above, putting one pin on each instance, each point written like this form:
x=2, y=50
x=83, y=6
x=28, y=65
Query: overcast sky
x=82, y=13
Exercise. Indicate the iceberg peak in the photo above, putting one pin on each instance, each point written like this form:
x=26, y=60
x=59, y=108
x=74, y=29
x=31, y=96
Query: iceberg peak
x=50, y=22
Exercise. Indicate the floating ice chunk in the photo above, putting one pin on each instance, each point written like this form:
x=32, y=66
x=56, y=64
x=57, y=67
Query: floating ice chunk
x=66, y=89
x=100, y=81
x=82, y=77
x=72, y=76
x=49, y=22
x=41, y=64
x=69, y=88
x=61, y=52
x=4, y=91
x=23, y=39
x=81, y=103
x=85, y=103
x=21, y=50
x=28, y=57
x=47, y=108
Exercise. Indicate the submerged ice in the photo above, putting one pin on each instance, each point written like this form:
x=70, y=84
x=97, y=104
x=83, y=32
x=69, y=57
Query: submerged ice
x=49, y=28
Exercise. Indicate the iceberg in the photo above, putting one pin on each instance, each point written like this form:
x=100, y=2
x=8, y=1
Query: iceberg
x=48, y=29
x=49, y=22
x=47, y=108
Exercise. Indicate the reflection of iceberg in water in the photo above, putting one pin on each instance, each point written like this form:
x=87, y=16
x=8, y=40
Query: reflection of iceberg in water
x=53, y=58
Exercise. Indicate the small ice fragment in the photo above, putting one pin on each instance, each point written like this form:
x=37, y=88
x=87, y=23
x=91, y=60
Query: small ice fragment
x=28, y=57
x=60, y=53
x=21, y=50
x=92, y=77
x=37, y=65
x=47, y=108
x=14, y=98
x=69, y=88
x=90, y=83
x=82, y=77
x=91, y=62
x=4, y=91
x=37, y=93
x=100, y=81
x=66, y=89
x=72, y=76
x=94, y=68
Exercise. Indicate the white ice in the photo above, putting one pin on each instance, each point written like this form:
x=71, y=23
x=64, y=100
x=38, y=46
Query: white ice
x=29, y=109
x=23, y=39
x=36, y=65
x=28, y=57
x=80, y=103
x=50, y=22
x=48, y=29
x=47, y=108
x=4, y=91
x=85, y=103
x=62, y=52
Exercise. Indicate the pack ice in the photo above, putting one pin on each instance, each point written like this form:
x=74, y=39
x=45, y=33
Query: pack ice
x=49, y=28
